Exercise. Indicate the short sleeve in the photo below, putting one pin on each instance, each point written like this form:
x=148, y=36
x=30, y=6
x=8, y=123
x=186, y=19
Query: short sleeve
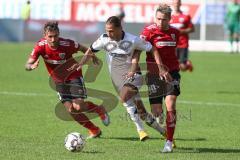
x=142, y=45
x=36, y=52
x=145, y=34
x=189, y=22
x=97, y=45
x=75, y=46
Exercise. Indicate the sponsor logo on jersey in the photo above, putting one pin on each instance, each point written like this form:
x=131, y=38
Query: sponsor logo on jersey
x=177, y=25
x=143, y=37
x=117, y=55
x=110, y=46
x=55, y=61
x=162, y=43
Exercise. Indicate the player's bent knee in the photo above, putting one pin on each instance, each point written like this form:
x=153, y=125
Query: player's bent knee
x=127, y=93
x=77, y=107
x=78, y=104
x=68, y=105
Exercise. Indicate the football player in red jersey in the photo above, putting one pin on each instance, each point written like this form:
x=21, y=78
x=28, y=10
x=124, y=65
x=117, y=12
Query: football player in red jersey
x=163, y=78
x=57, y=54
x=182, y=22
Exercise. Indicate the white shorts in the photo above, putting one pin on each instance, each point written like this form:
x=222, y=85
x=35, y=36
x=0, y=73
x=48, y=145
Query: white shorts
x=119, y=81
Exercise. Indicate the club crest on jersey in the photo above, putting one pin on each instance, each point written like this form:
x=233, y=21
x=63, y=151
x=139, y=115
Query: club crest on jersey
x=62, y=55
x=143, y=37
x=110, y=46
x=125, y=45
x=181, y=20
x=173, y=37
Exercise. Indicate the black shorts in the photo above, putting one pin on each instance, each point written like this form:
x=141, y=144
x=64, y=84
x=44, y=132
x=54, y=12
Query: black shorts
x=71, y=90
x=182, y=54
x=158, y=89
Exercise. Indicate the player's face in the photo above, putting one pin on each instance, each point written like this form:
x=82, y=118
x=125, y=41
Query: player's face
x=52, y=38
x=115, y=33
x=162, y=20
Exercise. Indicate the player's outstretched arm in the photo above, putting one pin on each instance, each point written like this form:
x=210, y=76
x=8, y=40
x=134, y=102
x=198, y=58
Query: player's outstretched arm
x=87, y=55
x=83, y=48
x=95, y=59
x=31, y=64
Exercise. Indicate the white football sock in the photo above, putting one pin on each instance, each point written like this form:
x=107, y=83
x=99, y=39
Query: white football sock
x=132, y=111
x=151, y=121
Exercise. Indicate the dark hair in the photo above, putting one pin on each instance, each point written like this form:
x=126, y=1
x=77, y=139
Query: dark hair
x=51, y=26
x=115, y=21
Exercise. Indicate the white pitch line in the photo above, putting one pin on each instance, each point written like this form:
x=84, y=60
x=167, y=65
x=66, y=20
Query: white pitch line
x=208, y=103
x=24, y=94
x=144, y=99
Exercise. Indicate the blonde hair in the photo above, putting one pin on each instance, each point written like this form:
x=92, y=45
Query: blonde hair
x=164, y=8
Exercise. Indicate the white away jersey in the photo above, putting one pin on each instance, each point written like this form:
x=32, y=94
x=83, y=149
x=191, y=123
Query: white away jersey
x=119, y=53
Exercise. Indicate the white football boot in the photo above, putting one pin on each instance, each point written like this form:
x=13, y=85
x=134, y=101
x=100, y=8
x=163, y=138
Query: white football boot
x=167, y=147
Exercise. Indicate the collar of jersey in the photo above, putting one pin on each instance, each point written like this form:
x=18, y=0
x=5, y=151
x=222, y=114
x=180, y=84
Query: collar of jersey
x=123, y=34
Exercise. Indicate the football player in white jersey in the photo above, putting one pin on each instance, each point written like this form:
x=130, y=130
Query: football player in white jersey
x=122, y=52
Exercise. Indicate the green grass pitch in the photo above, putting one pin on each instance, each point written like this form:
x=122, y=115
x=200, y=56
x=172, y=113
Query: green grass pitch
x=207, y=127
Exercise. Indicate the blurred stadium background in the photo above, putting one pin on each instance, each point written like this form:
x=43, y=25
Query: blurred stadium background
x=83, y=20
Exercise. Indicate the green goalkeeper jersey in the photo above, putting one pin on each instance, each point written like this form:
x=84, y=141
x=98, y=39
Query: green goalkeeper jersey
x=233, y=13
